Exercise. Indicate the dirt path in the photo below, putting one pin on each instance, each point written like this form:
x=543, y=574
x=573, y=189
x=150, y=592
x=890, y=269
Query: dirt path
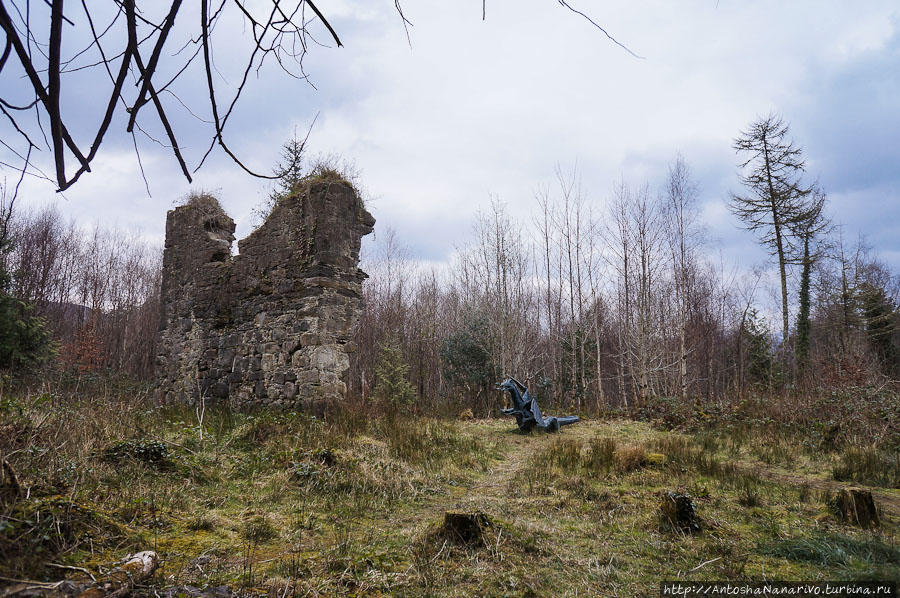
x=514, y=457
x=490, y=491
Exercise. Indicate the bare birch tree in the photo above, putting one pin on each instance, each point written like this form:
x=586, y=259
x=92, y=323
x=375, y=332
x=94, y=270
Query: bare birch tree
x=681, y=218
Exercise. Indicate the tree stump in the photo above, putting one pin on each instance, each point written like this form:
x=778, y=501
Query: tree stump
x=857, y=506
x=677, y=509
x=466, y=528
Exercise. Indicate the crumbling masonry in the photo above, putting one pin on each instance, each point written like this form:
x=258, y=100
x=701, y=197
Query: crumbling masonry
x=271, y=325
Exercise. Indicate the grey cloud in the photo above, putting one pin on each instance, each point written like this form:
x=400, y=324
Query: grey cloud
x=476, y=108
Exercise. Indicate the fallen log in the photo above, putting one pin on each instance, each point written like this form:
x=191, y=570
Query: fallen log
x=138, y=568
x=135, y=569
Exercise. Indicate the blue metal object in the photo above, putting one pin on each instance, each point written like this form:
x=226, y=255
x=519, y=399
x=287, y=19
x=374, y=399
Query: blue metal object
x=525, y=409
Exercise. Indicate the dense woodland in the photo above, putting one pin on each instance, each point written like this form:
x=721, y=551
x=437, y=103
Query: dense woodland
x=597, y=303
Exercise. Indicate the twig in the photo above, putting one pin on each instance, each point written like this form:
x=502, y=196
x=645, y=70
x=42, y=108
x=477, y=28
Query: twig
x=705, y=563
x=82, y=569
x=597, y=25
x=31, y=584
x=204, y=38
x=326, y=23
x=181, y=446
x=147, y=73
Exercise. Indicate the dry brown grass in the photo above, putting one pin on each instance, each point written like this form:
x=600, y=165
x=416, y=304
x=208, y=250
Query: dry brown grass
x=630, y=457
x=206, y=202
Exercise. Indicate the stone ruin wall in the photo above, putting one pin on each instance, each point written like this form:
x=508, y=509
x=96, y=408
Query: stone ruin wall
x=271, y=325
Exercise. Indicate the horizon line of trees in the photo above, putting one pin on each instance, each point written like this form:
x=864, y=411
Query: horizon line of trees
x=593, y=307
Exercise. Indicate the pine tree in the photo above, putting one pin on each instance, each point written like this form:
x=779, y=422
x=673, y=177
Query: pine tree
x=289, y=169
x=24, y=340
x=806, y=230
x=288, y=172
x=392, y=375
x=880, y=316
x=466, y=363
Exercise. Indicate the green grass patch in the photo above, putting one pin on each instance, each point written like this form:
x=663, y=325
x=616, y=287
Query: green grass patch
x=863, y=558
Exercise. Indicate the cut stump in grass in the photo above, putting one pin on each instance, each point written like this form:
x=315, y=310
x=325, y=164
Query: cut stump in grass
x=466, y=528
x=677, y=509
x=856, y=506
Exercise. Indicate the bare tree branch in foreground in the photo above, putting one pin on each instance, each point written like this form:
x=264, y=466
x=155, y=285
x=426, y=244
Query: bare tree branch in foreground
x=137, y=43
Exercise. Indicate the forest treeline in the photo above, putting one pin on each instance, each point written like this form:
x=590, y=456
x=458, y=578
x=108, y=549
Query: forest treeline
x=94, y=292
x=619, y=304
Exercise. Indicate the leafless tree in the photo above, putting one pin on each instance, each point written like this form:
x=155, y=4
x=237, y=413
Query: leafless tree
x=386, y=298
x=618, y=239
x=681, y=218
x=776, y=201
x=97, y=290
x=495, y=275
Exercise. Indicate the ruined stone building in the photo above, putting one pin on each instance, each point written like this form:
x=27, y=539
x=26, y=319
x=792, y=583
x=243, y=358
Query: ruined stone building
x=271, y=325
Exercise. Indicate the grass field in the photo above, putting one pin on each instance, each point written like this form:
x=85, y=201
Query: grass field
x=286, y=504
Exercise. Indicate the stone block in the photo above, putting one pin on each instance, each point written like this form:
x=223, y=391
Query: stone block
x=300, y=359
x=260, y=390
x=309, y=339
x=308, y=376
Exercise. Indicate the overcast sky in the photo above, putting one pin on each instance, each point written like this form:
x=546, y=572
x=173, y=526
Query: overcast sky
x=472, y=108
